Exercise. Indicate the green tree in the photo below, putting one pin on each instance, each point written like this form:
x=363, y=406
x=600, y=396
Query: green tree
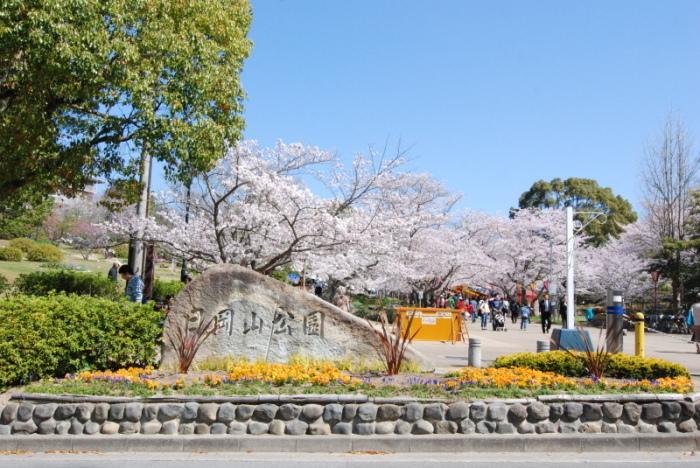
x=87, y=84
x=25, y=219
x=584, y=195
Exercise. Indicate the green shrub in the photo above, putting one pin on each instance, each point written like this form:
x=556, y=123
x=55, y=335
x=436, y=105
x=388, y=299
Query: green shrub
x=163, y=289
x=4, y=284
x=10, y=254
x=23, y=244
x=621, y=366
x=44, y=253
x=121, y=251
x=59, y=334
x=41, y=283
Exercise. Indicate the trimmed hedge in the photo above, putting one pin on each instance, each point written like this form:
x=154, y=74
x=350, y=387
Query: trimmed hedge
x=59, y=334
x=163, y=289
x=45, y=253
x=10, y=254
x=621, y=366
x=41, y=283
x=23, y=244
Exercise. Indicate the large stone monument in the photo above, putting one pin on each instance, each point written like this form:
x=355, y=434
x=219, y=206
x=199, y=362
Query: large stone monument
x=261, y=318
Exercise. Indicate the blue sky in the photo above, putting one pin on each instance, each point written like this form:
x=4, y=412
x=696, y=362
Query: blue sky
x=489, y=95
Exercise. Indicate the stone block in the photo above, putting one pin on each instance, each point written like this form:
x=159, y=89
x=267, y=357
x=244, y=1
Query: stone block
x=226, y=413
x=9, y=413
x=45, y=411
x=332, y=413
x=412, y=412
x=342, y=428
x=485, y=427
x=150, y=412
x=100, y=413
x=363, y=428
x=545, y=427
x=108, y=428
x=445, y=427
x=169, y=427
x=47, y=426
x=290, y=411
x=652, y=412
x=537, y=411
x=645, y=428
x=320, y=428
x=556, y=411
x=349, y=412
x=295, y=427
x=258, y=428
x=687, y=409
x=689, y=425
x=367, y=412
x=25, y=411
x=572, y=411
x=24, y=427
x=505, y=428
x=244, y=412
x=169, y=412
x=434, y=412
x=402, y=427
x=129, y=427
x=631, y=413
x=311, y=412
x=526, y=428
x=186, y=429
x=667, y=426
x=467, y=426
x=151, y=427
x=518, y=413
x=83, y=412
x=206, y=413
x=76, y=427
x=477, y=411
x=389, y=413
x=422, y=427
x=592, y=412
x=202, y=428
x=590, y=427
x=570, y=427
x=458, y=411
x=62, y=427
x=496, y=412
x=218, y=428
x=237, y=428
x=132, y=412
x=612, y=411
x=116, y=411
x=277, y=427
x=5, y=429
x=91, y=428
x=671, y=410
x=623, y=428
x=190, y=411
x=608, y=428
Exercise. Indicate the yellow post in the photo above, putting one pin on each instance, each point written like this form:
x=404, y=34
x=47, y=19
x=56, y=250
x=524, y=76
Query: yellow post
x=639, y=334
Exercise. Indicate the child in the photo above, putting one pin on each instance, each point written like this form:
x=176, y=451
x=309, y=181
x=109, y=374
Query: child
x=524, y=316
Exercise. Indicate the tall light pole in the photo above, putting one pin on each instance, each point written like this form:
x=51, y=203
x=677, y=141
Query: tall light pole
x=570, y=297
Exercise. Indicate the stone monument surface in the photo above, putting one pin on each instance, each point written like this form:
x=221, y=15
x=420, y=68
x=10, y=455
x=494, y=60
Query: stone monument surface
x=261, y=318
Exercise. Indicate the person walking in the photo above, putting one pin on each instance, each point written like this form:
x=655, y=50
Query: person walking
x=484, y=312
x=562, y=312
x=525, y=312
x=546, y=313
x=113, y=273
x=514, y=309
x=134, y=284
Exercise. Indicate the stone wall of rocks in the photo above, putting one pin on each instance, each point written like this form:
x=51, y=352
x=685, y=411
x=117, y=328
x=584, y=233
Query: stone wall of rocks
x=347, y=414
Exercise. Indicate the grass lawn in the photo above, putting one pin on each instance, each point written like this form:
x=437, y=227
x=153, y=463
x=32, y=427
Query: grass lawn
x=96, y=264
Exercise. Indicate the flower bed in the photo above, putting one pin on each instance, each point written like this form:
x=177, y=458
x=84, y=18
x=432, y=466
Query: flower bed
x=324, y=377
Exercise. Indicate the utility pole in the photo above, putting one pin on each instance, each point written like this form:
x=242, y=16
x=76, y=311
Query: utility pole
x=570, y=297
x=184, y=271
x=136, y=246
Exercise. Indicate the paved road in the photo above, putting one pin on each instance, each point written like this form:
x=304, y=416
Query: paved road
x=414, y=460
x=446, y=356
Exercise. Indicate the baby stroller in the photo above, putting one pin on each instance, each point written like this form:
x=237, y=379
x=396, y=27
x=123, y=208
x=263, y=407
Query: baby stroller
x=499, y=322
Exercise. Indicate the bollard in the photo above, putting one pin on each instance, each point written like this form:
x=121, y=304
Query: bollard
x=639, y=334
x=542, y=346
x=474, y=352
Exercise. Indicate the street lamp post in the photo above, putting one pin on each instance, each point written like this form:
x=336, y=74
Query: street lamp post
x=570, y=297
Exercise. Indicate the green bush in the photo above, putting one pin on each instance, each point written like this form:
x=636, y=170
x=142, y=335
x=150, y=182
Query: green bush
x=163, y=289
x=121, y=251
x=45, y=253
x=621, y=366
x=10, y=254
x=59, y=334
x=4, y=284
x=41, y=283
x=23, y=244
